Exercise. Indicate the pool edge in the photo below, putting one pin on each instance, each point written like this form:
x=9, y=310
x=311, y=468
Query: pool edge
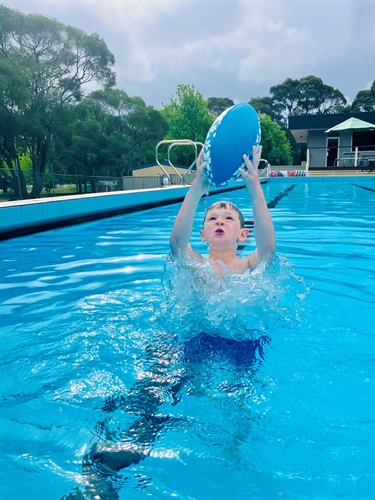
x=26, y=217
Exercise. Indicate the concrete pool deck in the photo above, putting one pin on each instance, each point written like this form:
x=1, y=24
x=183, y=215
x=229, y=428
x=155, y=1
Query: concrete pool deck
x=18, y=218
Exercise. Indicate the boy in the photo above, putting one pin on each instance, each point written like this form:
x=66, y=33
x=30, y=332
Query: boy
x=223, y=227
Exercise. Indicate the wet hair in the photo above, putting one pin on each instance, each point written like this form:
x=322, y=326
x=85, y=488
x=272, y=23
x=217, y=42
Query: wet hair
x=226, y=205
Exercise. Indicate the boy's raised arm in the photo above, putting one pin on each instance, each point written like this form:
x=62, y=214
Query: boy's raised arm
x=183, y=225
x=263, y=225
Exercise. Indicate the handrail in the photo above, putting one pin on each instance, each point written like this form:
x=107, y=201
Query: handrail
x=177, y=142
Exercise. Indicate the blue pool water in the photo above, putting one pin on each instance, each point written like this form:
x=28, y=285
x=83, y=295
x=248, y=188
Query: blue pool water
x=123, y=377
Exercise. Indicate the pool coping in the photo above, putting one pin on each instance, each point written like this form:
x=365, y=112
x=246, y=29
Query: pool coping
x=20, y=218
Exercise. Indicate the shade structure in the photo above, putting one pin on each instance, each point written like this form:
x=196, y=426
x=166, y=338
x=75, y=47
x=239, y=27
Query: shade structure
x=352, y=124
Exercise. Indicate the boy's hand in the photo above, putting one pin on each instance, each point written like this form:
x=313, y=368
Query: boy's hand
x=250, y=176
x=200, y=183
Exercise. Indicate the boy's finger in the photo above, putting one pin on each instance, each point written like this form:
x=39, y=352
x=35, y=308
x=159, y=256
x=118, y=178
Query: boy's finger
x=248, y=162
x=244, y=173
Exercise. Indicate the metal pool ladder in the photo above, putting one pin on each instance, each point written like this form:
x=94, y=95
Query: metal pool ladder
x=172, y=143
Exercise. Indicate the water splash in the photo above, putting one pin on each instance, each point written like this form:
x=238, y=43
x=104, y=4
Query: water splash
x=236, y=306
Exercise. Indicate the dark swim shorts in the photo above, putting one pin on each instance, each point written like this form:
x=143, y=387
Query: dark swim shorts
x=241, y=353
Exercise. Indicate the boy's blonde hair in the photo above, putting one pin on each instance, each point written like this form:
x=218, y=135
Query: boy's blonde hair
x=226, y=205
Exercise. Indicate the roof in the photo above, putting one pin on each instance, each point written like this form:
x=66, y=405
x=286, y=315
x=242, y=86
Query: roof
x=352, y=124
x=299, y=126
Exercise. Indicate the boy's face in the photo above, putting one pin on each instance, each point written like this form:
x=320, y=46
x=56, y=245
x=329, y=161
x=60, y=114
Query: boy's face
x=222, y=228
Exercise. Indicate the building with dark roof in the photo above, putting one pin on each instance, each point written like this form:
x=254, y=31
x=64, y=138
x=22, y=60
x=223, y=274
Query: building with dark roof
x=335, y=148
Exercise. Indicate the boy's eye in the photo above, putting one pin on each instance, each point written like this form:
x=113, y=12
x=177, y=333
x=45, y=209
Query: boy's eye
x=229, y=217
x=211, y=218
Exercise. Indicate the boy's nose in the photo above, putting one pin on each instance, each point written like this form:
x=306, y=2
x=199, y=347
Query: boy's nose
x=219, y=222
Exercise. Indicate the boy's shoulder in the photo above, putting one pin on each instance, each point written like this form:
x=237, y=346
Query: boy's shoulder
x=189, y=255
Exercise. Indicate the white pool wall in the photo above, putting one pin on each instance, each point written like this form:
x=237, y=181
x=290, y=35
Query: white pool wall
x=26, y=216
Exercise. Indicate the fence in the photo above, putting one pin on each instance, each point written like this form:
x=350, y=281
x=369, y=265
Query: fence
x=338, y=155
x=66, y=184
x=265, y=169
x=148, y=182
x=331, y=157
x=287, y=171
x=56, y=184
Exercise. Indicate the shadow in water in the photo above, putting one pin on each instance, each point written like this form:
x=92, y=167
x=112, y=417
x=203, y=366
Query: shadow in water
x=172, y=367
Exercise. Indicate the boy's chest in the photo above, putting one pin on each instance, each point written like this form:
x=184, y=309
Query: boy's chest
x=234, y=266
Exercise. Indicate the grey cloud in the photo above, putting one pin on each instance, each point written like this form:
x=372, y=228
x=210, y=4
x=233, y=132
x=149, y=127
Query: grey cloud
x=227, y=49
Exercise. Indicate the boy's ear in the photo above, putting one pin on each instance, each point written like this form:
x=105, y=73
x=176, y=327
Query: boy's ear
x=243, y=234
x=202, y=235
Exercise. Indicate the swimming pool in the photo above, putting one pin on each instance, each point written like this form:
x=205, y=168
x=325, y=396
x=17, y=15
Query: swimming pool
x=105, y=353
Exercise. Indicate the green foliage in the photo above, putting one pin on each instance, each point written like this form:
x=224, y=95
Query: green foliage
x=50, y=62
x=14, y=86
x=25, y=162
x=316, y=97
x=264, y=106
x=111, y=133
x=365, y=100
x=309, y=95
x=188, y=118
x=276, y=147
x=14, y=96
x=217, y=105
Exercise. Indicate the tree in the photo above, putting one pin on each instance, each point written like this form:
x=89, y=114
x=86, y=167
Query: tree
x=217, y=105
x=188, y=118
x=56, y=61
x=112, y=133
x=14, y=95
x=264, y=106
x=284, y=98
x=276, y=147
x=316, y=97
x=309, y=95
x=365, y=100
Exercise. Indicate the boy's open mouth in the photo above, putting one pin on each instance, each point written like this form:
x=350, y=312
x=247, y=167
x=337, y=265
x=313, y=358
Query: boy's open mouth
x=219, y=231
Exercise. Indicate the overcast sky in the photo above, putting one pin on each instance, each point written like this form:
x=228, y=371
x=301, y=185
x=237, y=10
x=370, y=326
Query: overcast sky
x=235, y=49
